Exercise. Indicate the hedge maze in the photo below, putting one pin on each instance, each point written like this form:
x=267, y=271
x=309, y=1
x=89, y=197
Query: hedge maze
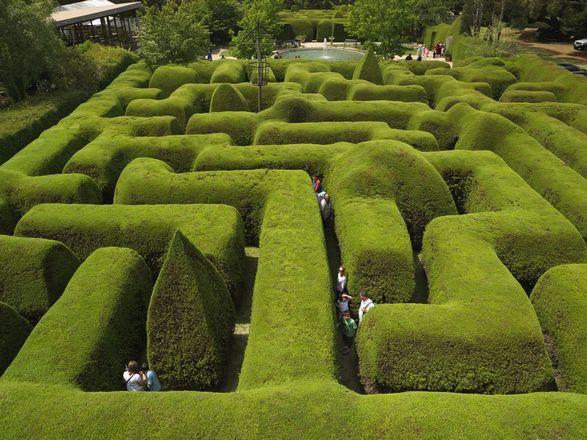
x=128, y=224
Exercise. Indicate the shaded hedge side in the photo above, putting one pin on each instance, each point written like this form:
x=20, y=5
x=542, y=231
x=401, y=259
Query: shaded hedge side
x=96, y=326
x=560, y=301
x=33, y=274
x=14, y=330
x=190, y=320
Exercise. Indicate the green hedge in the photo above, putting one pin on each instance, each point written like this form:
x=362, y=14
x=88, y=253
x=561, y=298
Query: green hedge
x=229, y=71
x=565, y=142
x=227, y=98
x=301, y=410
x=24, y=122
x=104, y=158
x=190, y=320
x=561, y=305
x=20, y=193
x=216, y=230
x=169, y=78
x=291, y=284
x=33, y=274
x=527, y=96
x=325, y=29
x=541, y=169
x=368, y=68
x=240, y=126
x=14, y=330
x=370, y=92
x=384, y=193
x=479, y=333
x=96, y=326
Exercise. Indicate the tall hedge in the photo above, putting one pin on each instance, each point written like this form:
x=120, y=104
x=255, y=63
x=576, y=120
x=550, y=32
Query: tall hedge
x=14, y=330
x=368, y=68
x=33, y=274
x=190, y=320
x=560, y=301
x=94, y=329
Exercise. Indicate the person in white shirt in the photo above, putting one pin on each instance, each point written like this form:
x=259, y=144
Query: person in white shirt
x=135, y=378
x=366, y=305
x=325, y=207
x=341, y=280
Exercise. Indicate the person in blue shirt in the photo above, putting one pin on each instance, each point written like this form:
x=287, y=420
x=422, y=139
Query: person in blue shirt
x=152, y=379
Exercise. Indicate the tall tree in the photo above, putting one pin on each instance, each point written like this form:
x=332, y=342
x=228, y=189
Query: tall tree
x=388, y=22
x=29, y=45
x=221, y=17
x=262, y=14
x=173, y=34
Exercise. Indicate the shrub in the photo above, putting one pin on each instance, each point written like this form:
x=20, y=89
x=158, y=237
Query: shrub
x=169, y=78
x=24, y=122
x=324, y=30
x=96, y=326
x=371, y=92
x=190, y=321
x=560, y=303
x=217, y=230
x=368, y=68
x=227, y=98
x=302, y=26
x=229, y=71
x=14, y=330
x=239, y=125
x=486, y=338
x=33, y=274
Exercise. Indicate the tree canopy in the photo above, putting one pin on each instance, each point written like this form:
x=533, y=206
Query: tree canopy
x=265, y=14
x=29, y=45
x=176, y=33
x=388, y=22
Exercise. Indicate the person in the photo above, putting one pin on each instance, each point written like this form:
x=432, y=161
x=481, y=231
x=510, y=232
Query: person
x=419, y=58
x=341, y=280
x=325, y=207
x=277, y=55
x=366, y=305
x=409, y=57
x=419, y=50
x=342, y=304
x=349, y=329
x=153, y=383
x=316, y=184
x=441, y=49
x=425, y=52
x=135, y=378
x=209, y=56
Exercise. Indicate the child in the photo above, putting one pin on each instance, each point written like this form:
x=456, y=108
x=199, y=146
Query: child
x=349, y=329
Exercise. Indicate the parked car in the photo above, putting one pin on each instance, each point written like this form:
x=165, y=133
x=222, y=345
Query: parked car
x=580, y=44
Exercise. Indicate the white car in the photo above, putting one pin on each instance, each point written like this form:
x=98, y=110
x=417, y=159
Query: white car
x=580, y=44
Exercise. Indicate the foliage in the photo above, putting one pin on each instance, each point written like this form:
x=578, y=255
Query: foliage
x=387, y=22
x=568, y=15
x=258, y=14
x=173, y=34
x=221, y=17
x=14, y=330
x=29, y=45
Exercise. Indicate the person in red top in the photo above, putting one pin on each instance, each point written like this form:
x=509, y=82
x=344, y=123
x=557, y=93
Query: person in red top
x=316, y=184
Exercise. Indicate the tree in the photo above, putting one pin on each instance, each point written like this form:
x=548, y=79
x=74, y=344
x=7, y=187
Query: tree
x=221, y=17
x=265, y=14
x=173, y=34
x=29, y=45
x=432, y=12
x=388, y=22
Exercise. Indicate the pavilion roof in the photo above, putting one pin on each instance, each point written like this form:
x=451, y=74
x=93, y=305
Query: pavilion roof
x=89, y=10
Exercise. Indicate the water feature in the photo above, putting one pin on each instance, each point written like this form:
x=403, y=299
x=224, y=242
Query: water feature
x=325, y=53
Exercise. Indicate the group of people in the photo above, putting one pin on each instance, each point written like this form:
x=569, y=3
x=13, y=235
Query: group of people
x=348, y=324
x=438, y=50
x=323, y=200
x=140, y=379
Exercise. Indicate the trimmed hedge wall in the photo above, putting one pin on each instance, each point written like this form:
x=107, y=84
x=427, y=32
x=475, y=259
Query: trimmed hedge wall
x=479, y=333
x=96, y=326
x=541, y=169
x=190, y=320
x=368, y=68
x=14, y=330
x=292, y=282
x=227, y=98
x=33, y=274
x=216, y=230
x=384, y=193
x=560, y=301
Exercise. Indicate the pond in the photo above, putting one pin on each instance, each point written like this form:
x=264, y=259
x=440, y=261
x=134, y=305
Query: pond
x=330, y=53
